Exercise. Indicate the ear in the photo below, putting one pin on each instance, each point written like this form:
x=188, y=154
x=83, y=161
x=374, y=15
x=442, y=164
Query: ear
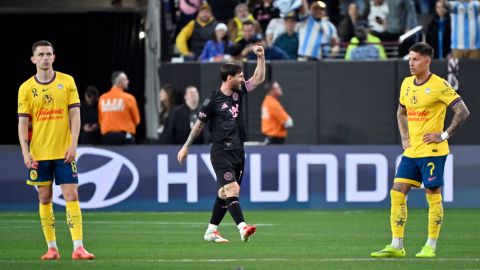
x=53, y=58
x=32, y=58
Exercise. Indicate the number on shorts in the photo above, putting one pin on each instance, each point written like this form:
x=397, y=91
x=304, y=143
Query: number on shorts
x=432, y=167
x=74, y=166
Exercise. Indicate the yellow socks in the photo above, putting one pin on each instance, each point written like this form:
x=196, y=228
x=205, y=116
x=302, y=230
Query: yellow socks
x=435, y=217
x=48, y=222
x=74, y=220
x=398, y=217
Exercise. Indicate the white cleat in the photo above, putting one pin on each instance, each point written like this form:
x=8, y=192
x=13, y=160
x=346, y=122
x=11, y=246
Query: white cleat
x=246, y=232
x=215, y=237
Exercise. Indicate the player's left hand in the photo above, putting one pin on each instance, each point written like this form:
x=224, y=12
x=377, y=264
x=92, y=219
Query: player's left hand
x=432, y=138
x=259, y=51
x=70, y=154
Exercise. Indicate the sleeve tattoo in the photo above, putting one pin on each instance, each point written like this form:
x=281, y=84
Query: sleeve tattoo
x=460, y=116
x=196, y=131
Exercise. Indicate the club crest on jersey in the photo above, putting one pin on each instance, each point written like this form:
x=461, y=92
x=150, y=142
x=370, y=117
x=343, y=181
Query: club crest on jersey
x=47, y=99
x=228, y=176
x=414, y=100
x=235, y=96
x=60, y=86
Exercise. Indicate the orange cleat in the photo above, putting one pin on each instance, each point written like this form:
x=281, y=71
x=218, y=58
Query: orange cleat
x=51, y=254
x=246, y=232
x=82, y=254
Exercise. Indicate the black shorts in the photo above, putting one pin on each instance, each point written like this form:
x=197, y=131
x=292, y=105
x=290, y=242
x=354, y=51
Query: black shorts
x=228, y=165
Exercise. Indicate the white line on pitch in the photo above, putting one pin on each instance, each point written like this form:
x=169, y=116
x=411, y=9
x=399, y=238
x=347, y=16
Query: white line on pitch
x=130, y=222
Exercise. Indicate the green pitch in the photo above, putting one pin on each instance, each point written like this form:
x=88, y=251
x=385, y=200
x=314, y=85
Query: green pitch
x=284, y=240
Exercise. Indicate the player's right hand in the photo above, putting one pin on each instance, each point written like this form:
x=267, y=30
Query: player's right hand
x=29, y=162
x=182, y=154
x=405, y=143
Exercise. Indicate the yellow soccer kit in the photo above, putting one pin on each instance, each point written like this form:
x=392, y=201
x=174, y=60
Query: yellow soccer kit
x=48, y=105
x=426, y=106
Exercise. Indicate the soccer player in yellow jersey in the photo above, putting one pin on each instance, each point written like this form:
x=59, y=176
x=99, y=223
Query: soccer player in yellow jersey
x=424, y=98
x=51, y=99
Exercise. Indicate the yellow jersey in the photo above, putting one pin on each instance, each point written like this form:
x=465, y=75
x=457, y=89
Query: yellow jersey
x=48, y=105
x=426, y=106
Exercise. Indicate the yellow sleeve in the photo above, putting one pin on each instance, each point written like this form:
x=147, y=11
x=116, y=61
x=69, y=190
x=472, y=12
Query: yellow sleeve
x=401, y=99
x=447, y=94
x=184, y=36
x=73, y=98
x=23, y=101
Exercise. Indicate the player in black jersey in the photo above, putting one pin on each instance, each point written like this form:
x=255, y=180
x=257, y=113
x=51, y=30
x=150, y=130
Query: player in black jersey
x=223, y=108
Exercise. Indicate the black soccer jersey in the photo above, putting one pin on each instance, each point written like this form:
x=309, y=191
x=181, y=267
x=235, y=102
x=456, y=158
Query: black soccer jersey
x=225, y=114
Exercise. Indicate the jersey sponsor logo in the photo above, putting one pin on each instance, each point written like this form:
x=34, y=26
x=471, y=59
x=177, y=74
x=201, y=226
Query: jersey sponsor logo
x=112, y=105
x=115, y=178
x=50, y=114
x=235, y=96
x=234, y=110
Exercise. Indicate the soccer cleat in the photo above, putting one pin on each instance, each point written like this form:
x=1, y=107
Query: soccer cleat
x=426, y=252
x=389, y=252
x=82, y=254
x=246, y=232
x=215, y=237
x=51, y=254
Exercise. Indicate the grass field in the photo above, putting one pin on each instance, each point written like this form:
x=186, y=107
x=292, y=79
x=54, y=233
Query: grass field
x=284, y=240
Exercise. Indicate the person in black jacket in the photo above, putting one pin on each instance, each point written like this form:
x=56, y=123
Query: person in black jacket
x=439, y=32
x=183, y=118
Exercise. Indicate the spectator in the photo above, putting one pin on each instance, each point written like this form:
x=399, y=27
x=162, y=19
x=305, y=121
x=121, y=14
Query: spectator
x=401, y=18
x=235, y=26
x=377, y=18
x=364, y=46
x=439, y=32
x=346, y=29
x=191, y=40
x=167, y=102
x=275, y=120
x=187, y=10
x=271, y=53
x=183, y=118
x=223, y=10
x=424, y=7
x=243, y=47
x=217, y=48
x=264, y=12
x=465, y=28
x=118, y=113
x=318, y=37
x=276, y=27
x=90, y=130
x=288, y=41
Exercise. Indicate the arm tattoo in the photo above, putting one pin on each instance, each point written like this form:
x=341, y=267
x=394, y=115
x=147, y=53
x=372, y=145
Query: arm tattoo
x=196, y=130
x=402, y=121
x=461, y=114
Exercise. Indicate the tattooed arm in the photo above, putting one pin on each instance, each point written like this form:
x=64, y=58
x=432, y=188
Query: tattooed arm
x=23, y=138
x=196, y=131
x=461, y=114
x=402, y=126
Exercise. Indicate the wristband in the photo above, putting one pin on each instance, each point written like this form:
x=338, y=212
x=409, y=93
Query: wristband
x=444, y=136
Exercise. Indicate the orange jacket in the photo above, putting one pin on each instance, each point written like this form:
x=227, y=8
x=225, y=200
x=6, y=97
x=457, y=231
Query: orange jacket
x=274, y=117
x=118, y=112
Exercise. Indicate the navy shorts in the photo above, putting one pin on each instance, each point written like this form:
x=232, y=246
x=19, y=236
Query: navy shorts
x=426, y=170
x=50, y=170
x=228, y=166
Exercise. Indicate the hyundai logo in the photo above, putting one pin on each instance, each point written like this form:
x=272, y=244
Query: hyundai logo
x=103, y=177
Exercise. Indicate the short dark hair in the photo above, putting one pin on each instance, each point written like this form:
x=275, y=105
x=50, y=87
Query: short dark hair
x=422, y=48
x=91, y=91
x=41, y=43
x=248, y=22
x=115, y=75
x=231, y=69
x=268, y=86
